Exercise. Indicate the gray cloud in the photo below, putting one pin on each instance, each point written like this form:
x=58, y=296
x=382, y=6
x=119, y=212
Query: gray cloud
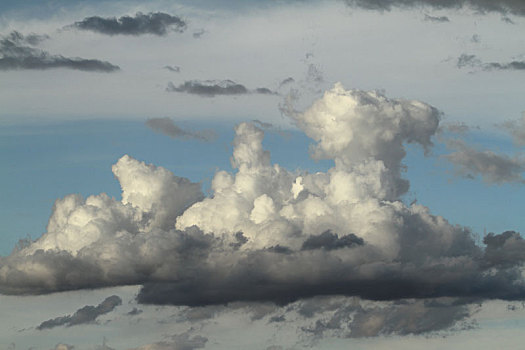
x=134, y=312
x=505, y=249
x=182, y=341
x=329, y=241
x=493, y=168
x=436, y=19
x=157, y=23
x=167, y=127
x=87, y=314
x=212, y=88
x=198, y=33
x=175, y=69
x=474, y=62
x=286, y=81
x=17, y=52
x=516, y=7
x=351, y=319
x=516, y=128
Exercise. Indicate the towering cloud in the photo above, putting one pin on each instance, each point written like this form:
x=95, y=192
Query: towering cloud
x=269, y=234
x=18, y=52
x=157, y=23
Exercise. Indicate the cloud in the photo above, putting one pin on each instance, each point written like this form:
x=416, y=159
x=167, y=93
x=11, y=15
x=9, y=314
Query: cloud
x=87, y=314
x=182, y=341
x=63, y=347
x=286, y=81
x=516, y=128
x=157, y=23
x=493, y=168
x=350, y=318
x=329, y=241
x=472, y=61
x=515, y=7
x=134, y=312
x=167, y=127
x=439, y=19
x=269, y=235
x=212, y=88
x=174, y=69
x=18, y=52
x=198, y=34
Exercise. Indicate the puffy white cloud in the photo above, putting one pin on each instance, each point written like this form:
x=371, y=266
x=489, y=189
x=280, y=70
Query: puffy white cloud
x=269, y=234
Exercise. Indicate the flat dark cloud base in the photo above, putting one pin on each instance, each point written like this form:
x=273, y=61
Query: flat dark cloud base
x=18, y=52
x=157, y=23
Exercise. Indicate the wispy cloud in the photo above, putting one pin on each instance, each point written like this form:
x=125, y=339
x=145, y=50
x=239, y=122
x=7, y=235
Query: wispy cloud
x=168, y=127
x=492, y=167
x=473, y=61
x=436, y=19
x=18, y=52
x=157, y=23
x=175, y=69
x=212, y=88
x=516, y=128
x=87, y=314
x=515, y=7
x=184, y=341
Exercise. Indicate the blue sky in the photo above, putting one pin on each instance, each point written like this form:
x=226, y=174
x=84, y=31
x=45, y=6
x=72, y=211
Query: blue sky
x=327, y=249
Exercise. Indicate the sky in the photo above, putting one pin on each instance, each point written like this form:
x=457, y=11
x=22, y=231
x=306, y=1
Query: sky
x=262, y=174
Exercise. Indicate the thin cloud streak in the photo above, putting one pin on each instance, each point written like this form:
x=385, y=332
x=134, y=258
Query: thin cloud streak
x=18, y=52
x=157, y=23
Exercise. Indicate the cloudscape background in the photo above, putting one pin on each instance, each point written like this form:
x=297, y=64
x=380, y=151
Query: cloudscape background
x=262, y=174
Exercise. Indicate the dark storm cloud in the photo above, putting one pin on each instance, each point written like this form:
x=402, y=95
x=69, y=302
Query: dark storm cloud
x=440, y=19
x=329, y=241
x=515, y=7
x=167, y=127
x=152, y=23
x=282, y=278
x=18, y=52
x=212, y=88
x=493, y=168
x=505, y=249
x=87, y=314
x=474, y=62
